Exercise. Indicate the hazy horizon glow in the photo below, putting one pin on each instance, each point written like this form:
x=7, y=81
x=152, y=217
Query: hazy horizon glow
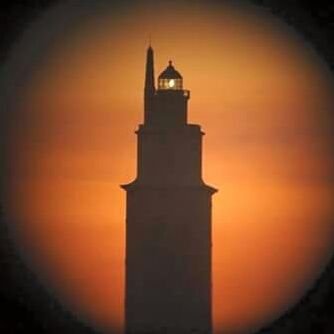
x=264, y=101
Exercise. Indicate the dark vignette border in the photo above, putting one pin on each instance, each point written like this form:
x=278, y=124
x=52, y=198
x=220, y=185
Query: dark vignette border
x=27, y=306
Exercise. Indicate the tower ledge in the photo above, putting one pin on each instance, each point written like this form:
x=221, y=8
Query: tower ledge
x=136, y=185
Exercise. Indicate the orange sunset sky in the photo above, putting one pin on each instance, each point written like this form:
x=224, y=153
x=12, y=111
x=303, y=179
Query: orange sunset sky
x=263, y=98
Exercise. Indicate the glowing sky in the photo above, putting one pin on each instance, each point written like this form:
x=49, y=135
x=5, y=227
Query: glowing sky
x=263, y=99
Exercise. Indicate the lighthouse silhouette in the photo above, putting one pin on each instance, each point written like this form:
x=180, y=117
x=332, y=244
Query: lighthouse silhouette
x=168, y=285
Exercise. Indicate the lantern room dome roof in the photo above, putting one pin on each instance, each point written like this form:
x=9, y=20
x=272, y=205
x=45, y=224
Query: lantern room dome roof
x=170, y=73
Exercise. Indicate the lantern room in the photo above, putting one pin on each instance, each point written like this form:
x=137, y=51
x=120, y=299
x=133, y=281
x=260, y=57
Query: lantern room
x=170, y=79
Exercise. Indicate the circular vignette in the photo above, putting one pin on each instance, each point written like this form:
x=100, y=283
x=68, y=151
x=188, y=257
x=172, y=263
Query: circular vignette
x=316, y=28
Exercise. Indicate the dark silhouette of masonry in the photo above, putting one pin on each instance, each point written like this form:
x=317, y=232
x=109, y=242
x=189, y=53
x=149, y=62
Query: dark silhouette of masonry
x=168, y=217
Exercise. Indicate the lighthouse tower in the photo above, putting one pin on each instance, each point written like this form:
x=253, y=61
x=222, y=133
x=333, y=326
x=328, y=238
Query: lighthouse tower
x=168, y=217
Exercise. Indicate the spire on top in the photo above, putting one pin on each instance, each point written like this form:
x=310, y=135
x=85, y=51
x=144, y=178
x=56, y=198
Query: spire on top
x=149, y=76
x=149, y=90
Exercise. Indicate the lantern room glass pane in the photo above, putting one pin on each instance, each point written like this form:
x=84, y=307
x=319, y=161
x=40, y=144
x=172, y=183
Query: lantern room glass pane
x=170, y=84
